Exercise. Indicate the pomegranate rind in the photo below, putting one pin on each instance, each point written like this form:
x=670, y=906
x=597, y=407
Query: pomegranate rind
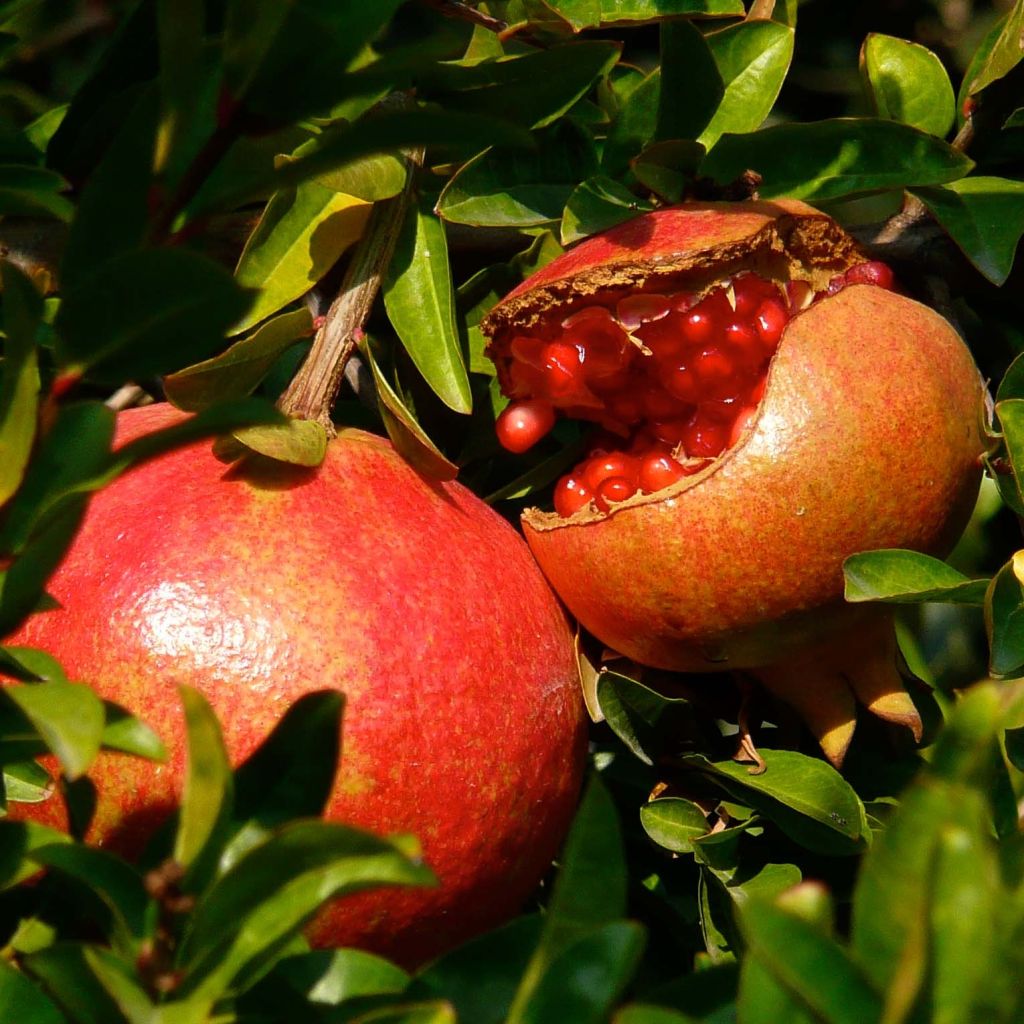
x=868, y=437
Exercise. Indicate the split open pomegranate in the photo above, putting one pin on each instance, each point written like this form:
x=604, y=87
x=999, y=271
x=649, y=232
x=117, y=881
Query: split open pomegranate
x=765, y=403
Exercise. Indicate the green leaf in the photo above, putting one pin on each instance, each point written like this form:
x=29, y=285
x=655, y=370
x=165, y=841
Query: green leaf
x=908, y=577
x=584, y=14
x=370, y=178
x=1010, y=415
x=206, y=803
x=597, y=204
x=691, y=87
x=247, y=918
x=634, y=126
x=503, y=188
x=298, y=442
x=827, y=159
x=68, y=716
x=408, y=437
x=439, y=1012
x=181, y=27
x=23, y=1002
x=19, y=377
x=121, y=984
x=1002, y=52
x=420, y=303
x=26, y=782
x=806, y=797
x=290, y=774
x=124, y=732
x=589, y=895
x=753, y=58
x=18, y=841
x=673, y=823
x=533, y=90
x=1004, y=622
x=68, y=978
x=642, y=1013
x=907, y=82
x=238, y=370
x=29, y=191
x=808, y=964
x=145, y=313
x=300, y=236
x=984, y=216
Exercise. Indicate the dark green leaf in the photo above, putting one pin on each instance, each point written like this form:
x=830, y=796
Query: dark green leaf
x=420, y=302
x=181, y=25
x=634, y=126
x=908, y=577
x=533, y=90
x=984, y=216
x=148, y=312
x=298, y=442
x=33, y=192
x=596, y=205
x=641, y=1013
x=907, y=82
x=329, y=977
x=665, y=167
x=121, y=984
x=1004, y=621
x=827, y=159
x=70, y=982
x=673, y=823
x=240, y=368
x=1002, y=52
x=21, y=1002
x=691, y=86
x=808, y=964
x=19, y=377
x=753, y=59
x=583, y=14
x=299, y=237
x=502, y=188
x=130, y=735
x=18, y=841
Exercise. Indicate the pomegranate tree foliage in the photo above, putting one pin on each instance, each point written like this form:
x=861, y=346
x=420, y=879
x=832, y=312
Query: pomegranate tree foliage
x=181, y=187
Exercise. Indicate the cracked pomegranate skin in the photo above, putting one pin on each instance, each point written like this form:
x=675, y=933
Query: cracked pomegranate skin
x=463, y=722
x=868, y=436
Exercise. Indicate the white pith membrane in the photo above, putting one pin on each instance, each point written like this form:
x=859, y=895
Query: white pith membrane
x=672, y=378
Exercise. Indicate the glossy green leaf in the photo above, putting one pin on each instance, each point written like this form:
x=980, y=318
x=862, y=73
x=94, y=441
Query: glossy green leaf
x=642, y=1013
x=828, y=159
x=69, y=980
x=118, y=886
x=124, y=732
x=502, y=188
x=147, y=312
x=68, y=716
x=826, y=812
x=239, y=369
x=666, y=167
x=122, y=985
x=673, y=822
x=753, y=58
x=246, y=919
x=984, y=216
x=805, y=962
x=26, y=782
x=1004, y=622
x=907, y=82
x=290, y=774
x=23, y=1002
x=908, y=577
x=300, y=236
x=406, y=434
x=420, y=303
x=583, y=14
x=635, y=125
x=1001, y=52
x=691, y=86
x=589, y=895
x=1010, y=417
x=19, y=377
x=587, y=978
x=29, y=191
x=533, y=90
x=208, y=795
x=370, y=178
x=297, y=442
x=596, y=205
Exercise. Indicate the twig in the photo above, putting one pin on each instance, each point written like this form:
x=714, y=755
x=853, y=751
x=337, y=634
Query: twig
x=761, y=10
x=313, y=390
x=464, y=12
x=126, y=397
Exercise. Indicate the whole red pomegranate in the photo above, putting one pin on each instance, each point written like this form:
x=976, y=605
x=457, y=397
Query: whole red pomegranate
x=463, y=722
x=765, y=404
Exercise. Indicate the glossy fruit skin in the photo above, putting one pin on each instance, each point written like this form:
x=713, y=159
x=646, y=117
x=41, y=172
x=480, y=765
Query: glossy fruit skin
x=463, y=721
x=868, y=437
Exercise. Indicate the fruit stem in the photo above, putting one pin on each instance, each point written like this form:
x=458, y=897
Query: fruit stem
x=313, y=390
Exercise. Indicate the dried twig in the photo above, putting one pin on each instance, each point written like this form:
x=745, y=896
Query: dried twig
x=466, y=12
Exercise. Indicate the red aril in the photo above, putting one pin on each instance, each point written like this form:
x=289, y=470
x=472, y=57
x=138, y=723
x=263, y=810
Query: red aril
x=520, y=425
x=658, y=470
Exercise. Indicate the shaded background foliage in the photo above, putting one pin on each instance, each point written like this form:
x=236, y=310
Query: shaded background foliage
x=215, y=171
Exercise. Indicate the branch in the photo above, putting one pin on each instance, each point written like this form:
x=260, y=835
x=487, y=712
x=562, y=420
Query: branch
x=464, y=12
x=761, y=10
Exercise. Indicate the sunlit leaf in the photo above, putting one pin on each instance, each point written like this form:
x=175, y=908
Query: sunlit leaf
x=901, y=576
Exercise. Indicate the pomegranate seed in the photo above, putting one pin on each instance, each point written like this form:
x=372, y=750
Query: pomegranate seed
x=799, y=295
x=749, y=291
x=704, y=438
x=528, y=350
x=658, y=404
x=682, y=382
x=589, y=316
x=625, y=407
x=723, y=411
x=716, y=373
x=670, y=432
x=521, y=425
x=524, y=380
x=873, y=272
x=770, y=322
x=613, y=490
x=663, y=337
x=635, y=310
x=701, y=323
x=658, y=470
x=742, y=421
x=606, y=353
x=571, y=494
x=744, y=343
x=619, y=465
x=563, y=371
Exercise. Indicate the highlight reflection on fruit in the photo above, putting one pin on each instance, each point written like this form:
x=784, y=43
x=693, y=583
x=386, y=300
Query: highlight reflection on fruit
x=463, y=722
x=766, y=405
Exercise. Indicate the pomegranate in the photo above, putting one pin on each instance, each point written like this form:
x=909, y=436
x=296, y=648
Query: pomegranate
x=463, y=722
x=765, y=403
